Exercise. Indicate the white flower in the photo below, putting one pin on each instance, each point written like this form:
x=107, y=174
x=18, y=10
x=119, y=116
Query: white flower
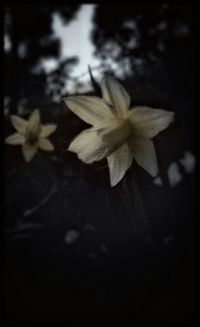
x=117, y=133
x=31, y=134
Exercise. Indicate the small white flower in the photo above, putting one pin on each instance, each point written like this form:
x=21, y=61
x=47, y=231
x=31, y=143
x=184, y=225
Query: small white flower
x=71, y=236
x=118, y=133
x=188, y=162
x=31, y=134
x=158, y=181
x=174, y=174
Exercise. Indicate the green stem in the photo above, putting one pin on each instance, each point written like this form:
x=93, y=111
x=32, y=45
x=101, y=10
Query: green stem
x=135, y=206
x=108, y=204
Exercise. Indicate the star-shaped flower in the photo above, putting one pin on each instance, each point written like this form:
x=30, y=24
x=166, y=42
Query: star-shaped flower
x=31, y=134
x=117, y=133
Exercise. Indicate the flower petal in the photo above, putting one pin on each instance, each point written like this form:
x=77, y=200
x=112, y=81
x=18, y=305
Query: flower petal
x=15, y=139
x=19, y=123
x=47, y=130
x=85, y=144
x=114, y=94
x=45, y=144
x=34, y=121
x=148, y=122
x=91, y=109
x=144, y=153
x=95, y=144
x=29, y=151
x=119, y=162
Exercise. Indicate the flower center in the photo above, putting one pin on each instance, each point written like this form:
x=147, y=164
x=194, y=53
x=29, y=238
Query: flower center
x=114, y=135
x=32, y=135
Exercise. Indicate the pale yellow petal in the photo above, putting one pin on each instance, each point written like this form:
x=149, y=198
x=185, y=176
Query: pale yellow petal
x=114, y=94
x=45, y=144
x=15, y=139
x=91, y=109
x=119, y=162
x=34, y=121
x=86, y=144
x=95, y=144
x=148, y=122
x=29, y=151
x=144, y=153
x=19, y=123
x=47, y=130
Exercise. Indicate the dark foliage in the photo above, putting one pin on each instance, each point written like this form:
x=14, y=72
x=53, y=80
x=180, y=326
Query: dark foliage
x=29, y=29
x=139, y=35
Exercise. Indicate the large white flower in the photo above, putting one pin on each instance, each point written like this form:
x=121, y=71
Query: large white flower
x=118, y=133
x=31, y=134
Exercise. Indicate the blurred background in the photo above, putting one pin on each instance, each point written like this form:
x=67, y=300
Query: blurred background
x=74, y=244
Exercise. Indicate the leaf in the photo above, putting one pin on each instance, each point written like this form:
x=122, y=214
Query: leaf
x=27, y=226
x=94, y=83
x=139, y=213
x=24, y=230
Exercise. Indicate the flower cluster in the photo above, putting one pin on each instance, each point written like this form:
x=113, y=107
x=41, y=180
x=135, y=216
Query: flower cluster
x=118, y=132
